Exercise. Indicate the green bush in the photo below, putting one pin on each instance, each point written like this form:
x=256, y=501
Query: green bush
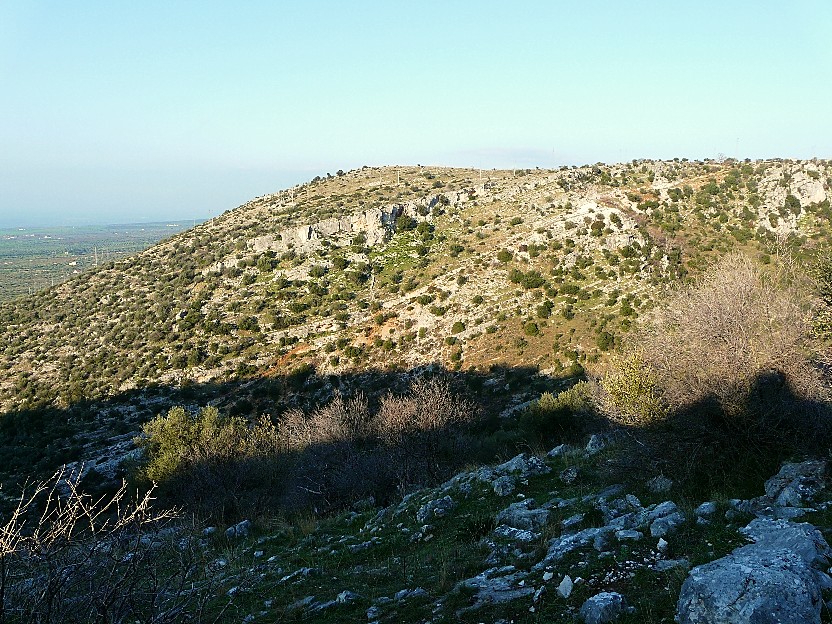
x=631, y=393
x=552, y=416
x=216, y=463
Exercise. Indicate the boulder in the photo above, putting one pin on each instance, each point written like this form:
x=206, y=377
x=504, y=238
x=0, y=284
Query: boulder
x=524, y=515
x=494, y=586
x=239, y=530
x=796, y=485
x=603, y=608
x=664, y=526
x=560, y=450
x=524, y=466
x=777, y=578
x=561, y=546
x=503, y=486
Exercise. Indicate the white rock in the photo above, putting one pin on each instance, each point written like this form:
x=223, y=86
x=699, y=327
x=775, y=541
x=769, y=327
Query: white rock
x=565, y=587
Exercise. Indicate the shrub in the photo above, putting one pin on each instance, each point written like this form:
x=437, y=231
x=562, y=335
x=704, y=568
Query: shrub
x=552, y=416
x=714, y=339
x=405, y=223
x=218, y=464
x=67, y=557
x=631, y=395
x=605, y=341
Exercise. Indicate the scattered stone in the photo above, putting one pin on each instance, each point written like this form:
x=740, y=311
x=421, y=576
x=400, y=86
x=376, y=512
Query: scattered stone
x=494, y=586
x=524, y=466
x=565, y=544
x=660, y=484
x=565, y=587
x=407, y=594
x=239, y=530
x=788, y=492
x=778, y=578
x=209, y=531
x=570, y=475
x=357, y=548
x=662, y=545
x=548, y=576
x=599, y=441
x=560, y=450
x=662, y=509
x=373, y=613
x=517, y=535
x=346, y=597
x=435, y=509
x=596, y=444
x=706, y=510
x=604, y=608
x=572, y=521
x=300, y=605
x=625, y=535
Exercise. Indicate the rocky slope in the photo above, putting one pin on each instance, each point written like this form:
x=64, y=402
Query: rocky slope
x=550, y=539
x=506, y=283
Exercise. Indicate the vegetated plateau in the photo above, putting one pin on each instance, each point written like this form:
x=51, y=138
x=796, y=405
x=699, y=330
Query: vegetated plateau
x=311, y=369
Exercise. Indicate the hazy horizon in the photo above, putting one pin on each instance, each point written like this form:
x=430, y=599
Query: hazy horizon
x=138, y=112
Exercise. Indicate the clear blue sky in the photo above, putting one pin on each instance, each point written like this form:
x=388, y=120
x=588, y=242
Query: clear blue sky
x=138, y=111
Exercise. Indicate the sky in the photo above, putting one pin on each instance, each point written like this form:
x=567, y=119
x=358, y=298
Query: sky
x=124, y=112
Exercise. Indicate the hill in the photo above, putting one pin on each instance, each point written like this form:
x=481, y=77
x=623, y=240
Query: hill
x=382, y=383
x=387, y=269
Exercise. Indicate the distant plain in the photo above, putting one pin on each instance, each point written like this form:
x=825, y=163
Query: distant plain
x=32, y=259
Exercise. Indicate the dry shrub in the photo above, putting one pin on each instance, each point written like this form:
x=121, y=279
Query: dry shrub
x=227, y=468
x=722, y=381
x=716, y=340
x=430, y=405
x=345, y=452
x=66, y=557
x=341, y=420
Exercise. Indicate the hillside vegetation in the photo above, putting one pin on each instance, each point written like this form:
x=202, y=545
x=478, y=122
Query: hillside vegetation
x=341, y=361
x=386, y=269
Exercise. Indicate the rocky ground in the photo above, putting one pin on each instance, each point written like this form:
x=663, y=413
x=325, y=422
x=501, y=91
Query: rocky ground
x=545, y=539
